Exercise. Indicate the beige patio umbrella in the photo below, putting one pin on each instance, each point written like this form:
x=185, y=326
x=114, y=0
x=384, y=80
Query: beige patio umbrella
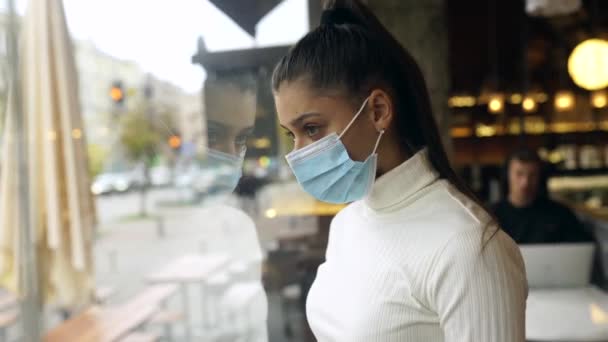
x=61, y=209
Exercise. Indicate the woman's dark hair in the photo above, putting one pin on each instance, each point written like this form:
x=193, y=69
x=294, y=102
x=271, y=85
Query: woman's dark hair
x=353, y=52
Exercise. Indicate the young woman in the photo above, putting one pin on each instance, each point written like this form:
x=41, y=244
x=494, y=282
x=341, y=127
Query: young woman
x=415, y=257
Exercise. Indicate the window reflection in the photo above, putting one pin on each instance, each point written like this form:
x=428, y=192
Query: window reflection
x=230, y=108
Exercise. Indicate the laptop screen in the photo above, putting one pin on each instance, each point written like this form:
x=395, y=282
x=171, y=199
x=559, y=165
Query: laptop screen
x=558, y=265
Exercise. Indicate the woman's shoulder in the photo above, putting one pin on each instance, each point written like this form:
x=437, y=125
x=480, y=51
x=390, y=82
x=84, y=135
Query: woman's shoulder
x=452, y=223
x=448, y=211
x=469, y=259
x=470, y=244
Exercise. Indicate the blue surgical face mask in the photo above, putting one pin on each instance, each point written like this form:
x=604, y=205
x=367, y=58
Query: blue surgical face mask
x=325, y=170
x=229, y=168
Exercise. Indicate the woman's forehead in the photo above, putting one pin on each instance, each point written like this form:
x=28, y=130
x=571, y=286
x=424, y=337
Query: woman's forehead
x=291, y=107
x=231, y=106
x=299, y=96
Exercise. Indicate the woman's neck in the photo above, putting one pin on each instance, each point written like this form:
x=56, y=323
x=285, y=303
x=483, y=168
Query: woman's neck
x=390, y=156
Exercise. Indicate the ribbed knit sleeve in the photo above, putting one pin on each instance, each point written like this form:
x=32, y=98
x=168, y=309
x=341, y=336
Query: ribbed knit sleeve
x=479, y=294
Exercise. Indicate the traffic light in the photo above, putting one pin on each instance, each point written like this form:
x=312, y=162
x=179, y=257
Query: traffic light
x=117, y=93
x=175, y=142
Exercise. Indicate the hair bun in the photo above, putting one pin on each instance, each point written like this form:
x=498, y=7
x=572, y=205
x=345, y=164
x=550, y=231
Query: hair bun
x=339, y=16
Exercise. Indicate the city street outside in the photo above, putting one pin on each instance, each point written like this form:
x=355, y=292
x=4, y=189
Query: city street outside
x=129, y=247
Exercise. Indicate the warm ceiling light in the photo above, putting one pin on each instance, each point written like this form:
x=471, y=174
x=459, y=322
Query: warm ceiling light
x=485, y=130
x=496, y=104
x=462, y=101
x=599, y=99
x=588, y=64
x=534, y=125
x=564, y=101
x=529, y=104
x=514, y=126
x=541, y=97
x=516, y=98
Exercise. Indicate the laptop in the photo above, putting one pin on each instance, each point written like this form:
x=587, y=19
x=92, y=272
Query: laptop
x=565, y=265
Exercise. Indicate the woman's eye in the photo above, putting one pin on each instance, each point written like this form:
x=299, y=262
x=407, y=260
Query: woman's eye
x=311, y=131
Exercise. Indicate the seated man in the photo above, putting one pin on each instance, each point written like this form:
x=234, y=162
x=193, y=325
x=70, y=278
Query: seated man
x=527, y=214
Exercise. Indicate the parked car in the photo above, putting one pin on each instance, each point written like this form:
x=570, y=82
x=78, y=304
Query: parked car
x=107, y=183
x=160, y=176
x=117, y=182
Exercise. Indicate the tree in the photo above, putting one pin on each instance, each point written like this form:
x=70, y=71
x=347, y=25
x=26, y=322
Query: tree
x=97, y=157
x=143, y=135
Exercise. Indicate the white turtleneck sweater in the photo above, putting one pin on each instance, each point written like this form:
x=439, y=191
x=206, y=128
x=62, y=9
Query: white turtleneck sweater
x=407, y=264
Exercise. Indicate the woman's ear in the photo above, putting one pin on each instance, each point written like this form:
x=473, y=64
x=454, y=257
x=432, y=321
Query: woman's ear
x=382, y=107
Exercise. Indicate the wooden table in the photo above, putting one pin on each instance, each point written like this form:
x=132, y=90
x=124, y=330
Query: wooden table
x=189, y=269
x=98, y=324
x=186, y=270
x=579, y=314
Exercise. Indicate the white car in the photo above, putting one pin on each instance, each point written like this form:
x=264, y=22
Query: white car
x=160, y=176
x=196, y=179
x=116, y=182
x=110, y=182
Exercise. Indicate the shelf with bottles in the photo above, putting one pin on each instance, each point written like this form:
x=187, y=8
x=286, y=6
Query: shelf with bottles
x=532, y=126
x=588, y=193
x=536, y=113
x=569, y=151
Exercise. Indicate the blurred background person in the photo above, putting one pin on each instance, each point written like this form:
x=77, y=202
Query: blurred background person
x=231, y=109
x=527, y=213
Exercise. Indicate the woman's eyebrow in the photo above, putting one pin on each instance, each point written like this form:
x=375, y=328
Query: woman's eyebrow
x=298, y=121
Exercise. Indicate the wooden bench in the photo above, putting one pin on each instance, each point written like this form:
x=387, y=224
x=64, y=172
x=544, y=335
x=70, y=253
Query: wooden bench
x=153, y=295
x=110, y=324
